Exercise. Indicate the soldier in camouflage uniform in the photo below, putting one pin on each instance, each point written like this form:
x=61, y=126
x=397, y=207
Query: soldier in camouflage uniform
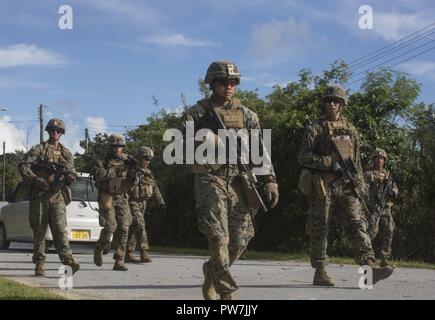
x=224, y=215
x=143, y=189
x=49, y=195
x=376, y=178
x=321, y=163
x=112, y=181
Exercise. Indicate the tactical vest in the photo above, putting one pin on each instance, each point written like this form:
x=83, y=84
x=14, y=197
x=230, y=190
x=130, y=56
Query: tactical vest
x=232, y=118
x=49, y=154
x=117, y=181
x=144, y=189
x=378, y=178
x=343, y=135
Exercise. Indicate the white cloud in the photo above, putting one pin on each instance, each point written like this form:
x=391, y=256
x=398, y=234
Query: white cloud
x=96, y=125
x=280, y=40
x=420, y=68
x=394, y=26
x=14, y=137
x=171, y=40
x=28, y=54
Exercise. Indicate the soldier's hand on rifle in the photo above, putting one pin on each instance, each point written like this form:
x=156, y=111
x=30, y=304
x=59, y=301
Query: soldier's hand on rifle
x=336, y=167
x=42, y=183
x=272, y=194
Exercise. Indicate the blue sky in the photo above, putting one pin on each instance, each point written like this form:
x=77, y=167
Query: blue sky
x=104, y=72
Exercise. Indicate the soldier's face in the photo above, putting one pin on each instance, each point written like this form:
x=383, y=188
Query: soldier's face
x=54, y=134
x=117, y=150
x=379, y=162
x=333, y=107
x=144, y=163
x=225, y=88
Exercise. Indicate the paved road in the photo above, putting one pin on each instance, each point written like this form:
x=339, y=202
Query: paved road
x=180, y=277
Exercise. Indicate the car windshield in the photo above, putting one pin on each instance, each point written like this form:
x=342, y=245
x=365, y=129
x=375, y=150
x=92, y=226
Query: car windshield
x=84, y=189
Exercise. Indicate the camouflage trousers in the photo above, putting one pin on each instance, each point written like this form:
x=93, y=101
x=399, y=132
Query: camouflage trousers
x=226, y=221
x=49, y=211
x=137, y=234
x=383, y=236
x=116, y=219
x=353, y=222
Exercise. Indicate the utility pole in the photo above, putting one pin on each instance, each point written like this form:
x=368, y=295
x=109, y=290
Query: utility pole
x=4, y=172
x=41, y=123
x=86, y=139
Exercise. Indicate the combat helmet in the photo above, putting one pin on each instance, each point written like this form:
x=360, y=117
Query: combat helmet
x=222, y=69
x=378, y=152
x=145, y=153
x=336, y=91
x=116, y=140
x=55, y=124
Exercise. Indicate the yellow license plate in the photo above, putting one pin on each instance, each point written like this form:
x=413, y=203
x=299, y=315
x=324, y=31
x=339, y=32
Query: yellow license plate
x=80, y=234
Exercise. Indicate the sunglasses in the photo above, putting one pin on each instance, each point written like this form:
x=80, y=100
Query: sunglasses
x=332, y=100
x=55, y=130
x=226, y=82
x=117, y=146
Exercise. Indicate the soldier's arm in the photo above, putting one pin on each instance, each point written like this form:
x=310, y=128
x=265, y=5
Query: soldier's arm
x=158, y=195
x=306, y=156
x=25, y=166
x=69, y=161
x=100, y=173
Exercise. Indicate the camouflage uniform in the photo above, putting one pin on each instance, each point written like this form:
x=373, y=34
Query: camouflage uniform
x=144, y=189
x=316, y=154
x=113, y=181
x=376, y=179
x=224, y=215
x=48, y=207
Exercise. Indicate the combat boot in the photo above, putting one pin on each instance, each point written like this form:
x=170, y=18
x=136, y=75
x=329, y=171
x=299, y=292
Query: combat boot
x=387, y=263
x=119, y=266
x=227, y=296
x=39, y=270
x=380, y=273
x=321, y=278
x=98, y=258
x=74, y=266
x=144, y=257
x=130, y=258
x=208, y=290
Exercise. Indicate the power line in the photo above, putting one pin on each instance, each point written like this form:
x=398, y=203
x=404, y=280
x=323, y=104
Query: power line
x=391, y=44
x=394, y=65
x=392, y=50
x=392, y=59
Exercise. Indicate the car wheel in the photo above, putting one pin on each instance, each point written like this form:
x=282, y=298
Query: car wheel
x=4, y=244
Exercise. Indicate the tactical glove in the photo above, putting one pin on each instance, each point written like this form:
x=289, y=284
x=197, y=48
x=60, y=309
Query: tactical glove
x=42, y=183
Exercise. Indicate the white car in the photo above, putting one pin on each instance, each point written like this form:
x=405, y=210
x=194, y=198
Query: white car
x=82, y=216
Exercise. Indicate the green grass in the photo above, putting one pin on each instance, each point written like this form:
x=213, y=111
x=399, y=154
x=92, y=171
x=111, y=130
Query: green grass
x=298, y=257
x=11, y=290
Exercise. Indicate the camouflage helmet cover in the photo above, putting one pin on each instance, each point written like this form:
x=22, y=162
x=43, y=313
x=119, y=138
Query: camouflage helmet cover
x=336, y=91
x=145, y=152
x=222, y=69
x=380, y=153
x=116, y=140
x=55, y=124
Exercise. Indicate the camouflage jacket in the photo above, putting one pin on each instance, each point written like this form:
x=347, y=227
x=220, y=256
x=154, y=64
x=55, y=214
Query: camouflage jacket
x=202, y=120
x=144, y=187
x=316, y=152
x=111, y=176
x=376, y=179
x=44, y=152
